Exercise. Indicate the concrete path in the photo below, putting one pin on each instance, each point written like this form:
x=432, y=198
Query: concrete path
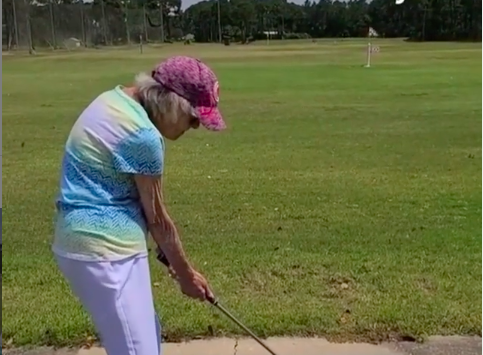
x=297, y=346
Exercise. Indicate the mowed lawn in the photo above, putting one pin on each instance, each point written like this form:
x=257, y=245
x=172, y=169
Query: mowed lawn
x=342, y=201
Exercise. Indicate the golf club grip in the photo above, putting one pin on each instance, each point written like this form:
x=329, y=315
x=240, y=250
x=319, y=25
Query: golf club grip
x=164, y=260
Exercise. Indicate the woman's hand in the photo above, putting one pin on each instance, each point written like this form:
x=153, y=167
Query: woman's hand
x=172, y=273
x=194, y=285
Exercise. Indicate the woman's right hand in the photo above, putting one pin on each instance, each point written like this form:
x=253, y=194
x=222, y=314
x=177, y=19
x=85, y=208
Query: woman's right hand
x=194, y=285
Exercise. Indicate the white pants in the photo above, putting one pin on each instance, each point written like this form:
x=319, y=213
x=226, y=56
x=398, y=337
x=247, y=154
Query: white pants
x=118, y=296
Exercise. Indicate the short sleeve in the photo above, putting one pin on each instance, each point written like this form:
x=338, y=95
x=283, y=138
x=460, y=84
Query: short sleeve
x=140, y=153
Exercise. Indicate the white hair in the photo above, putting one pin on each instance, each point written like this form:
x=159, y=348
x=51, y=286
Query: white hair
x=159, y=101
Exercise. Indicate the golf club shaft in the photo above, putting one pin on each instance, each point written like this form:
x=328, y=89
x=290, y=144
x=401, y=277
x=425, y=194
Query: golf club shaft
x=241, y=325
x=162, y=258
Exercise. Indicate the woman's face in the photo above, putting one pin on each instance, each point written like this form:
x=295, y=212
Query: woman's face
x=172, y=128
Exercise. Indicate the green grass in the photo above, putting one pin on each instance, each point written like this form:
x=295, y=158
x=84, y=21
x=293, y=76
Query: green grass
x=342, y=201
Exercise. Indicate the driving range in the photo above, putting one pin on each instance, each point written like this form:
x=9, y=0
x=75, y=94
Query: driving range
x=342, y=201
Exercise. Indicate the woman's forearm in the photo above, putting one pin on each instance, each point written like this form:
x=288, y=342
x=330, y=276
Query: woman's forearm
x=166, y=236
x=160, y=224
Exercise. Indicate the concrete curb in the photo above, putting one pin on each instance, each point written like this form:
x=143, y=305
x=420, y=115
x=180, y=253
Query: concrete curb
x=295, y=346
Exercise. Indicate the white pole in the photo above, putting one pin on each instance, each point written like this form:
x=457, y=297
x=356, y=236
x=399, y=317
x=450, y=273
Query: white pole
x=369, y=50
x=141, y=44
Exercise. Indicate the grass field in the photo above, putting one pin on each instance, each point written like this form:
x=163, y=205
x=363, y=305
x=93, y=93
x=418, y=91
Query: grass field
x=342, y=201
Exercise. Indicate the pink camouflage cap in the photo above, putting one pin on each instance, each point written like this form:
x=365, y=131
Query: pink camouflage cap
x=197, y=83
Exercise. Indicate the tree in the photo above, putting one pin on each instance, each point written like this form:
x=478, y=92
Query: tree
x=114, y=21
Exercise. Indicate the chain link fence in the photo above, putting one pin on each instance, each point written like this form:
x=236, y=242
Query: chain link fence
x=30, y=25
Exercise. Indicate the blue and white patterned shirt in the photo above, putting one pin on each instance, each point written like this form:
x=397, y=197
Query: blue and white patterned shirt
x=99, y=214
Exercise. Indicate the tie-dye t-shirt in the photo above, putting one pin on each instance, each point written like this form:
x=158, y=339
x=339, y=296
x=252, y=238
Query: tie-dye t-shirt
x=99, y=214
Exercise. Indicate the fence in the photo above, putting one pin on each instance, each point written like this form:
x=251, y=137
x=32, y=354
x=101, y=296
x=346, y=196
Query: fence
x=30, y=25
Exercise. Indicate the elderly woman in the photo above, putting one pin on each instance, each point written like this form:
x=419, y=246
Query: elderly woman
x=111, y=197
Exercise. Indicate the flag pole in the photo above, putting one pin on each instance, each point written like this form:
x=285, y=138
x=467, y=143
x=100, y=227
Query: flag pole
x=368, y=55
x=369, y=50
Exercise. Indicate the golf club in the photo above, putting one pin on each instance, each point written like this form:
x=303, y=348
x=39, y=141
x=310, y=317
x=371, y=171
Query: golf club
x=162, y=258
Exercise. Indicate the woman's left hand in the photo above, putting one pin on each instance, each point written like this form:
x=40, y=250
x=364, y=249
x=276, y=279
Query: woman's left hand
x=172, y=273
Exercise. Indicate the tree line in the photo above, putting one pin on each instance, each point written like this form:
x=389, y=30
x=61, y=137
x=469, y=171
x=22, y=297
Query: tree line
x=415, y=19
x=109, y=21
